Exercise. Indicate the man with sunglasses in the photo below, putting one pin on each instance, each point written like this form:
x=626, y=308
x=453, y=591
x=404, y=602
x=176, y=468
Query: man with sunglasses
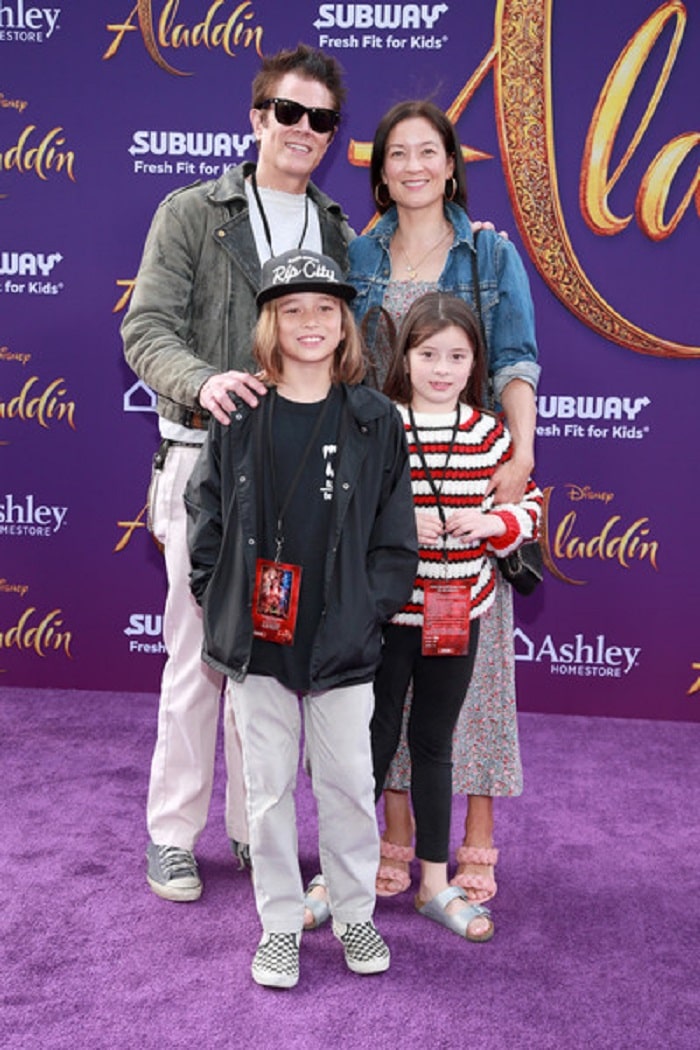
x=187, y=335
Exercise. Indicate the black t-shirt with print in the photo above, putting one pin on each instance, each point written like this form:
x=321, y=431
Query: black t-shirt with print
x=306, y=522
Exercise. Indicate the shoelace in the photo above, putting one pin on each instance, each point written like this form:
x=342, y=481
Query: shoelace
x=175, y=861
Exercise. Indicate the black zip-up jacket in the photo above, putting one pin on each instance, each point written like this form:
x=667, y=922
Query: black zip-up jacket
x=372, y=554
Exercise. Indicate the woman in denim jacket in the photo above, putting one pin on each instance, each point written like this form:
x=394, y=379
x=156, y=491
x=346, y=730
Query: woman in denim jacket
x=424, y=242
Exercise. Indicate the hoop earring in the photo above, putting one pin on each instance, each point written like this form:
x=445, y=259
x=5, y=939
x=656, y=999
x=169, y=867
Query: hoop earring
x=377, y=191
x=453, y=188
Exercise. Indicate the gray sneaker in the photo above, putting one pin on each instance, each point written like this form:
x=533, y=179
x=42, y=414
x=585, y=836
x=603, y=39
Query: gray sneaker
x=276, y=962
x=172, y=873
x=365, y=950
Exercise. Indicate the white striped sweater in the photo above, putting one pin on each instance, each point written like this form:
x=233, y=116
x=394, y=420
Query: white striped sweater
x=481, y=445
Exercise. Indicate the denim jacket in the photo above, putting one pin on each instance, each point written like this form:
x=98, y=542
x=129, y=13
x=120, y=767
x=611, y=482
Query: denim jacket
x=506, y=302
x=193, y=308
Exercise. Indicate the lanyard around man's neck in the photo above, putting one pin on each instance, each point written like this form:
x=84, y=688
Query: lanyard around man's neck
x=263, y=216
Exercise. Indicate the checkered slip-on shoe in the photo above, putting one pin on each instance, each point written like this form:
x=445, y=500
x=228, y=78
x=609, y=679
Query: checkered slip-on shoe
x=276, y=962
x=365, y=950
x=172, y=873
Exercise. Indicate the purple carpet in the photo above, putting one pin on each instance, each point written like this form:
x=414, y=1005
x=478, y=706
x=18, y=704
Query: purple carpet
x=597, y=915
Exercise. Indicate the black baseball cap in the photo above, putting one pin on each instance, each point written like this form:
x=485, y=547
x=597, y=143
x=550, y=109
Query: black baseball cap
x=300, y=270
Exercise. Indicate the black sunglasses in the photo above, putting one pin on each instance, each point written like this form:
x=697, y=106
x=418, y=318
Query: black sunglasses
x=289, y=113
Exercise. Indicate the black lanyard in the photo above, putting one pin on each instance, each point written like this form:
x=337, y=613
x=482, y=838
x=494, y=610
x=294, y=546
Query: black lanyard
x=263, y=216
x=431, y=480
x=282, y=506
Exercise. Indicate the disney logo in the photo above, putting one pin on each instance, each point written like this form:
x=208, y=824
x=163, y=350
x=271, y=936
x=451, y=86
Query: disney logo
x=581, y=492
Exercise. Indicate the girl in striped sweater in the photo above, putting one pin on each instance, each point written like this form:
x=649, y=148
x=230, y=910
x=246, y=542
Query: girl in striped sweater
x=436, y=377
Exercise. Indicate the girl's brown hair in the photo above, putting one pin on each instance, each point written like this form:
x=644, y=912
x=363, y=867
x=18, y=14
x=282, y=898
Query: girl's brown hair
x=429, y=314
x=348, y=361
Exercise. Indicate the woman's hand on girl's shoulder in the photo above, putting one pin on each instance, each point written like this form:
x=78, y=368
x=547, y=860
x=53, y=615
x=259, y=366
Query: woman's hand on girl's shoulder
x=509, y=482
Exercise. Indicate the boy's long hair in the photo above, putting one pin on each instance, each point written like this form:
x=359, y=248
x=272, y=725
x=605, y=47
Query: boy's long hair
x=348, y=361
x=429, y=314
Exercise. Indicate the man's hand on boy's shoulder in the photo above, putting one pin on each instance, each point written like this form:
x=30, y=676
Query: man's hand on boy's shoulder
x=217, y=394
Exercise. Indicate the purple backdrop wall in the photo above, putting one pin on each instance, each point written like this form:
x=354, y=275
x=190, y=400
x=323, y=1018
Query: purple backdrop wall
x=583, y=116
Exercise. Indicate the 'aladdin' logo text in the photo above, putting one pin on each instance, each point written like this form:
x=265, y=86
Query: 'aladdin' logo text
x=164, y=34
x=614, y=542
x=46, y=407
x=42, y=157
x=38, y=634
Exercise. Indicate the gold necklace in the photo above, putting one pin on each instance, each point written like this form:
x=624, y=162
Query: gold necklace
x=411, y=268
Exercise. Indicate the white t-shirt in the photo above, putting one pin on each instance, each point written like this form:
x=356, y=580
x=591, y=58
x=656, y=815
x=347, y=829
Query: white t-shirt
x=286, y=217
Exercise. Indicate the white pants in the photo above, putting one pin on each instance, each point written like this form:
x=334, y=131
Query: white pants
x=182, y=770
x=336, y=726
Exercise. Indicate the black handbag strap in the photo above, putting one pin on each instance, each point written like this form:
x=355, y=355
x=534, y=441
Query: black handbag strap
x=476, y=287
x=490, y=399
x=524, y=568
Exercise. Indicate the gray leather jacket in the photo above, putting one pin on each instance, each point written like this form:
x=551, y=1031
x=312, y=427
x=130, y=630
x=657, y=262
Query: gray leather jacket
x=193, y=309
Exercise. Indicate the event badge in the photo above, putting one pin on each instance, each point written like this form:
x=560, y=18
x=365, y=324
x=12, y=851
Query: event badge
x=276, y=601
x=446, y=607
